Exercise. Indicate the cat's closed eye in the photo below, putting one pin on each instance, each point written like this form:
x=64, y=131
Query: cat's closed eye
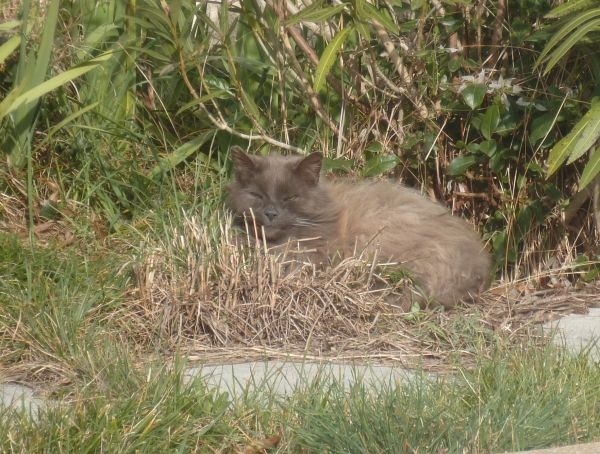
x=256, y=196
x=289, y=199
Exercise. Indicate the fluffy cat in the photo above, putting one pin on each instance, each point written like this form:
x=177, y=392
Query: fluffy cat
x=287, y=199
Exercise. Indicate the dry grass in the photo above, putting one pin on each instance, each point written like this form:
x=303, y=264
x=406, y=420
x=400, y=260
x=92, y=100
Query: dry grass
x=196, y=287
x=226, y=302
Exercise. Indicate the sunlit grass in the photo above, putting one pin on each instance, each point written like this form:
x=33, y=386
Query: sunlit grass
x=515, y=398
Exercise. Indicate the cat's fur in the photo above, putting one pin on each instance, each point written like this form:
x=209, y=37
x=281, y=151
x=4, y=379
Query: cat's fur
x=285, y=196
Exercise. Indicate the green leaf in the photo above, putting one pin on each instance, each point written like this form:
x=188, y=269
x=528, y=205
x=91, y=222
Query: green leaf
x=9, y=47
x=96, y=37
x=363, y=28
x=535, y=167
x=204, y=19
x=314, y=7
x=591, y=169
x=573, y=39
x=490, y=121
x=416, y=4
x=380, y=164
x=51, y=84
x=67, y=120
x=519, y=30
x=569, y=7
x=382, y=18
x=473, y=95
x=473, y=148
x=5, y=26
x=49, y=210
x=175, y=10
x=409, y=26
x=455, y=65
x=540, y=127
x=488, y=147
x=564, y=147
x=249, y=104
x=359, y=9
x=328, y=58
x=181, y=153
x=215, y=94
x=215, y=83
x=46, y=43
x=553, y=192
x=524, y=218
x=375, y=147
x=224, y=17
x=461, y=163
x=590, y=275
x=589, y=135
x=573, y=24
x=499, y=244
x=342, y=164
x=315, y=13
x=497, y=162
x=470, y=63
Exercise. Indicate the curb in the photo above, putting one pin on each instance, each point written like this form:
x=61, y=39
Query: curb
x=587, y=448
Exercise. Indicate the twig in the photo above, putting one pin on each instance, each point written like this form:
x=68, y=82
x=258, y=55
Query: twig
x=222, y=125
x=312, y=96
x=406, y=79
x=497, y=33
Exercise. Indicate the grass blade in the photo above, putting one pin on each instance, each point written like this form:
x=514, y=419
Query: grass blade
x=51, y=84
x=181, y=153
x=195, y=102
x=9, y=47
x=66, y=121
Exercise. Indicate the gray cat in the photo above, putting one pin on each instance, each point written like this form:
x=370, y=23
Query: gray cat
x=286, y=198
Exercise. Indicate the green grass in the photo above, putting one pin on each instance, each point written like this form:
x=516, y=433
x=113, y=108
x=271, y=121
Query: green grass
x=136, y=182
x=66, y=326
x=518, y=398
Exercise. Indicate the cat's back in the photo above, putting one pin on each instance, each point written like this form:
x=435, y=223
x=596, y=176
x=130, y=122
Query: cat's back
x=442, y=251
x=382, y=202
x=402, y=223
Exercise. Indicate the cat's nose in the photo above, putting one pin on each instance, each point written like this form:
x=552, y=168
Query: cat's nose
x=271, y=214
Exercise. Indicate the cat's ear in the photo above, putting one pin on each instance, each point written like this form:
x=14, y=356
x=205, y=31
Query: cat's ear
x=309, y=168
x=243, y=164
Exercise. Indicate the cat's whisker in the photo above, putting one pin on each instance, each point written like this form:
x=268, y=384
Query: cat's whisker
x=305, y=223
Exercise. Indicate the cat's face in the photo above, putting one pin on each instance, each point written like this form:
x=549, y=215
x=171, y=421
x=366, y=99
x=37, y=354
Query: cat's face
x=275, y=192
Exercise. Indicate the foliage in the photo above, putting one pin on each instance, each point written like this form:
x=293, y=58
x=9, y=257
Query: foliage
x=427, y=91
x=579, y=30
x=116, y=121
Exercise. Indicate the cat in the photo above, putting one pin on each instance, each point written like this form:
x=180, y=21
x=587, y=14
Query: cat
x=285, y=197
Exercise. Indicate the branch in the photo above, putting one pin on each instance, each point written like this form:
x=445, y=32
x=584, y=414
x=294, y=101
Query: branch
x=406, y=79
x=497, y=33
x=221, y=124
x=312, y=96
x=312, y=56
